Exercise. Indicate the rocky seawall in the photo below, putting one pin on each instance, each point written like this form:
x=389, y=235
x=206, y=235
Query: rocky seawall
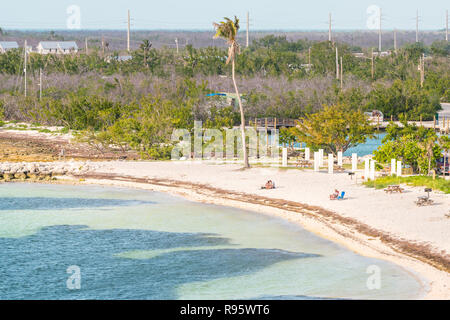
x=42, y=171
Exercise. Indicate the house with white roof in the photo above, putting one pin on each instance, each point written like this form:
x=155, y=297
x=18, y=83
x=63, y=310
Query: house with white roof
x=57, y=47
x=8, y=45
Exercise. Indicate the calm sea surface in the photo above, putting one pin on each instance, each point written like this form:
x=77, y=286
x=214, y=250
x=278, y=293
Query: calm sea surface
x=132, y=244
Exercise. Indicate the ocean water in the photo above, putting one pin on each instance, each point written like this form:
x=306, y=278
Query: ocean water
x=362, y=149
x=135, y=244
x=367, y=148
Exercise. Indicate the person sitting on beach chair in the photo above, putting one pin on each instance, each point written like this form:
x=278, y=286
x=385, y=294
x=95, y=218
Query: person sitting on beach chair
x=335, y=195
x=269, y=185
x=341, y=197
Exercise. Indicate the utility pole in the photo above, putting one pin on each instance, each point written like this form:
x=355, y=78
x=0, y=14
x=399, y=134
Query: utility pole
x=342, y=74
x=86, y=44
x=25, y=67
x=395, y=40
x=176, y=42
x=417, y=26
x=128, y=34
x=40, y=84
x=379, y=34
x=329, y=27
x=446, y=25
x=309, y=57
x=422, y=70
x=337, y=63
x=248, y=27
x=373, y=66
x=103, y=45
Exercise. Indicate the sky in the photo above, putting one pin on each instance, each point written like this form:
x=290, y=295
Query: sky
x=199, y=14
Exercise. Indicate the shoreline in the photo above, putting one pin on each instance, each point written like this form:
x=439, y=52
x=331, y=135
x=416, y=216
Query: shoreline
x=434, y=278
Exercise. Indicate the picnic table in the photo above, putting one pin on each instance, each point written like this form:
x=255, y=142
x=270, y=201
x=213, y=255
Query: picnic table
x=338, y=169
x=303, y=164
x=393, y=188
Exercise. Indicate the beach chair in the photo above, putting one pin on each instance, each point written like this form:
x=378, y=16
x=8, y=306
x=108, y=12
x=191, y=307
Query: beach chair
x=270, y=185
x=341, y=197
x=424, y=201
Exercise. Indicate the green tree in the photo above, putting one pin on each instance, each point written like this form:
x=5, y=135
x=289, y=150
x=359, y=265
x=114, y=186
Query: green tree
x=145, y=47
x=288, y=137
x=444, y=142
x=416, y=146
x=228, y=30
x=335, y=128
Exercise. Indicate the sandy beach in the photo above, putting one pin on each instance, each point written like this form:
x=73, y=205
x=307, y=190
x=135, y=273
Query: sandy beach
x=369, y=222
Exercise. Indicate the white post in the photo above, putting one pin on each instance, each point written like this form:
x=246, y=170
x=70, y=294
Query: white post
x=307, y=154
x=340, y=158
x=248, y=27
x=354, y=162
x=128, y=32
x=316, y=161
x=393, y=170
x=366, y=168
x=399, y=168
x=372, y=170
x=285, y=157
x=330, y=163
x=25, y=68
x=321, y=158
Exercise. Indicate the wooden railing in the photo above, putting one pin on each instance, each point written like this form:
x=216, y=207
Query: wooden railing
x=270, y=122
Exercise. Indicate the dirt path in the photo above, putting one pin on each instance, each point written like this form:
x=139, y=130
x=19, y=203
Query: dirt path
x=24, y=147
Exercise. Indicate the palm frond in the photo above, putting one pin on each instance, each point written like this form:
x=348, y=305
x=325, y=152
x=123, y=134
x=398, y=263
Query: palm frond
x=228, y=30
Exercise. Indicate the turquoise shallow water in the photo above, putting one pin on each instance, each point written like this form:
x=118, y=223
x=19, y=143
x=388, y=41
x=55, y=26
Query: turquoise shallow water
x=363, y=149
x=132, y=244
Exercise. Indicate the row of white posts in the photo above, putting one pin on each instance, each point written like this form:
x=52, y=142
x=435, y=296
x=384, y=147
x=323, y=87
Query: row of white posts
x=369, y=165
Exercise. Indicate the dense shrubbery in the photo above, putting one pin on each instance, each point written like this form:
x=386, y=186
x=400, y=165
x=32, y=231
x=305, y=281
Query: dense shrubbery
x=417, y=147
x=135, y=103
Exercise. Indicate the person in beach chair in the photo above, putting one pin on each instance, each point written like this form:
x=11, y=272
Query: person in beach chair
x=335, y=195
x=269, y=185
x=341, y=197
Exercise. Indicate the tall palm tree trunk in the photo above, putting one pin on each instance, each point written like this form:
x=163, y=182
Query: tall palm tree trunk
x=244, y=141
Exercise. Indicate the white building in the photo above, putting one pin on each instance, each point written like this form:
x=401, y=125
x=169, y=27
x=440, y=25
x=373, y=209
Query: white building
x=8, y=45
x=57, y=47
x=382, y=54
x=359, y=54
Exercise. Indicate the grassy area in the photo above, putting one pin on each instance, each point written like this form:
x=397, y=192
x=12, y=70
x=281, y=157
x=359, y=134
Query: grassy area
x=13, y=125
x=415, y=181
x=348, y=166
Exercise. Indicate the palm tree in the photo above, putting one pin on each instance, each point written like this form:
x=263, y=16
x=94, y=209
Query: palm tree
x=228, y=30
x=427, y=145
x=145, y=46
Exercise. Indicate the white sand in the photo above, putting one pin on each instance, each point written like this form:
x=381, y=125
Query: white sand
x=395, y=214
